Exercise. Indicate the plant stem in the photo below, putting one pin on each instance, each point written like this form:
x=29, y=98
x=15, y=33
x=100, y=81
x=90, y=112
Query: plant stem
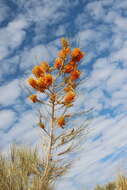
x=49, y=153
x=51, y=132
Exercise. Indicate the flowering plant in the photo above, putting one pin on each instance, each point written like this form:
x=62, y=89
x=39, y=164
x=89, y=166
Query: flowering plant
x=58, y=83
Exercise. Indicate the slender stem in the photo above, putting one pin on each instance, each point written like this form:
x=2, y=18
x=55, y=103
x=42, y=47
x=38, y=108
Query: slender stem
x=51, y=132
x=49, y=153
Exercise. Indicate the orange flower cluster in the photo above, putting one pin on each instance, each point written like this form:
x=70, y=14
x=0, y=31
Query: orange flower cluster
x=58, y=63
x=66, y=62
x=64, y=43
x=61, y=121
x=71, y=67
x=69, y=97
x=64, y=52
x=39, y=70
x=75, y=75
x=32, y=82
x=68, y=68
x=43, y=78
x=66, y=74
x=77, y=54
x=45, y=66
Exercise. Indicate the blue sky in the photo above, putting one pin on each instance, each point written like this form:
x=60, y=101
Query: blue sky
x=29, y=33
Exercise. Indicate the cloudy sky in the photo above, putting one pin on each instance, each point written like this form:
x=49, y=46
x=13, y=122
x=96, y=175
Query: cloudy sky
x=29, y=33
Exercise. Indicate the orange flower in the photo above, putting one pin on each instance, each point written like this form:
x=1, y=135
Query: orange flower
x=48, y=79
x=44, y=82
x=79, y=57
x=75, y=75
x=72, y=63
x=32, y=82
x=58, y=63
x=68, y=68
x=64, y=42
x=33, y=98
x=77, y=54
x=69, y=97
x=62, y=54
x=38, y=71
x=44, y=66
x=61, y=121
x=41, y=83
x=67, y=50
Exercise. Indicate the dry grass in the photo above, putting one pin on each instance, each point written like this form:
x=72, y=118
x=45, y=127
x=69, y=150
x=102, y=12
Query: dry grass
x=119, y=184
x=22, y=170
x=109, y=186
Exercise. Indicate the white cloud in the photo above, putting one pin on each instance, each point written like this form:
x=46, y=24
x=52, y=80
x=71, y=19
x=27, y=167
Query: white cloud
x=4, y=9
x=98, y=12
x=33, y=56
x=12, y=36
x=66, y=184
x=110, y=17
x=43, y=11
x=122, y=4
x=7, y=117
x=9, y=93
x=107, y=2
x=118, y=78
x=85, y=36
x=120, y=55
x=121, y=23
x=23, y=132
x=8, y=67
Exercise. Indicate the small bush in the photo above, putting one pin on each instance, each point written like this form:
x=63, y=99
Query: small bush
x=22, y=170
x=119, y=184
